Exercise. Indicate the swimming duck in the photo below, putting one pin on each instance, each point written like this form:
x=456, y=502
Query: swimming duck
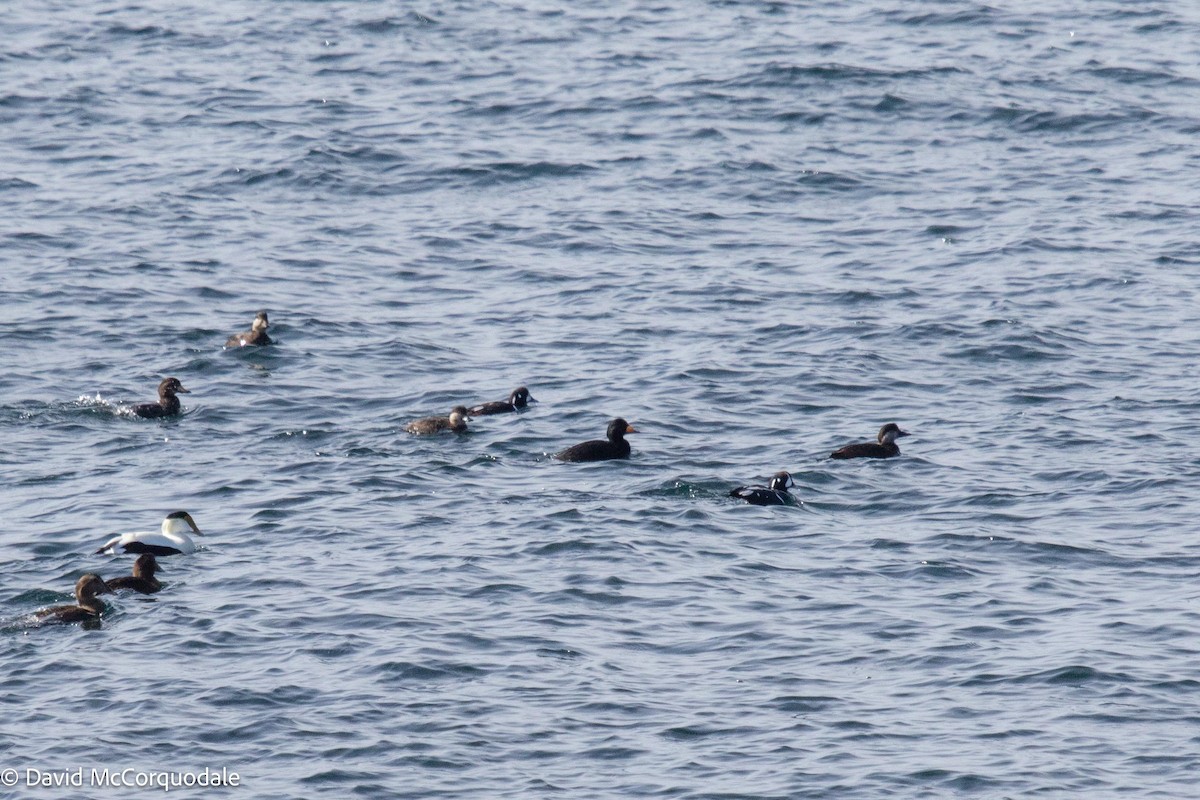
x=168, y=403
x=886, y=448
x=257, y=334
x=456, y=421
x=142, y=580
x=776, y=494
x=518, y=399
x=602, y=450
x=171, y=540
x=88, y=608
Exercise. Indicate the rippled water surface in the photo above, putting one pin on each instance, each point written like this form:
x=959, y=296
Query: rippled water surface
x=758, y=231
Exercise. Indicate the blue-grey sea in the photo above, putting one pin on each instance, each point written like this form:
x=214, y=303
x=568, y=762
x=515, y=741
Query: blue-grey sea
x=756, y=230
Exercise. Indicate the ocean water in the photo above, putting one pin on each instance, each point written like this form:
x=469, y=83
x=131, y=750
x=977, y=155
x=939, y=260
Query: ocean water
x=756, y=230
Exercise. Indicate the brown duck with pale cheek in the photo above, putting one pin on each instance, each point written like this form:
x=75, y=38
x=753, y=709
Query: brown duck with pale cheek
x=456, y=421
x=885, y=448
x=257, y=335
x=168, y=403
x=613, y=447
x=142, y=580
x=88, y=608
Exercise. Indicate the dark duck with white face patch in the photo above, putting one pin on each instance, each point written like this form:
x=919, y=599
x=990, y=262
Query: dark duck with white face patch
x=88, y=608
x=885, y=448
x=142, y=580
x=776, y=494
x=613, y=447
x=519, y=398
x=168, y=403
x=257, y=335
x=455, y=422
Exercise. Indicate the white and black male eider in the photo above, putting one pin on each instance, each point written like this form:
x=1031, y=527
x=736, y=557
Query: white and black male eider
x=257, y=335
x=88, y=608
x=173, y=539
x=142, y=580
x=168, y=403
x=456, y=421
x=885, y=448
x=519, y=398
x=776, y=494
x=602, y=449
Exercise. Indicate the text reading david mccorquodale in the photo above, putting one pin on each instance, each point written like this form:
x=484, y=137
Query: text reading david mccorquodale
x=128, y=778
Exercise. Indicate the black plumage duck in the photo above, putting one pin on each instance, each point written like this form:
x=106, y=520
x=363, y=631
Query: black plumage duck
x=614, y=446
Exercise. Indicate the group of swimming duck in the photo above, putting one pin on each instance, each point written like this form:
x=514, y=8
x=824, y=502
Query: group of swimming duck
x=168, y=403
x=173, y=538
x=614, y=445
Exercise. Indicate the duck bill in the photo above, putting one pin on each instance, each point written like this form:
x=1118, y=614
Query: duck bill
x=630, y=429
x=182, y=390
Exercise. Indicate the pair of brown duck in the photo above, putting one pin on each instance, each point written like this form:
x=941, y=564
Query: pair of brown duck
x=168, y=403
x=88, y=607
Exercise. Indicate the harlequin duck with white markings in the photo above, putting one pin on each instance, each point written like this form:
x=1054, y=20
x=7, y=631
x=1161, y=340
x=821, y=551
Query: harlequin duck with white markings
x=519, y=398
x=776, y=494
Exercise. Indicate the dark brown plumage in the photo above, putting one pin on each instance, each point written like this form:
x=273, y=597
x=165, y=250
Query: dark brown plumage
x=142, y=580
x=614, y=446
x=168, y=403
x=257, y=335
x=88, y=608
x=885, y=448
x=456, y=422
